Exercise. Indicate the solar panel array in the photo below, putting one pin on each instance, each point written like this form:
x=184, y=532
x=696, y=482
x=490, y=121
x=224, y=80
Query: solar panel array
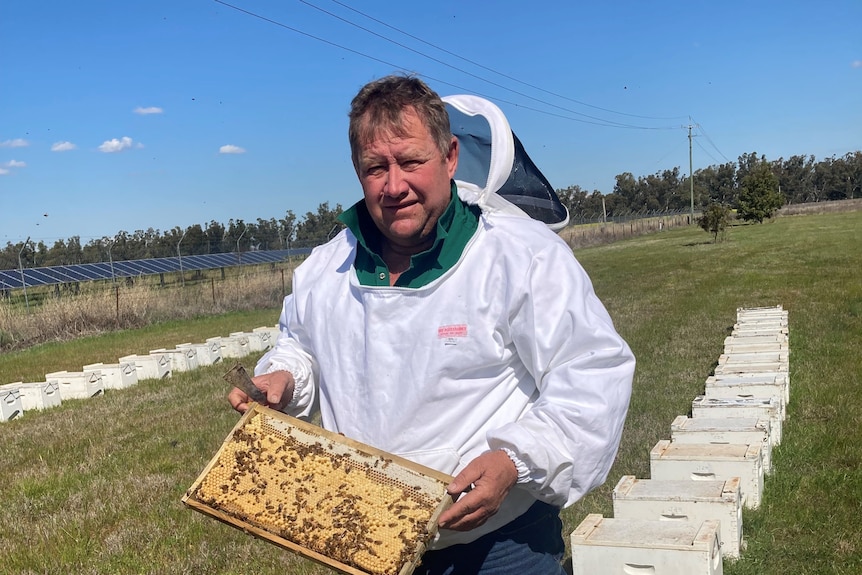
x=31, y=277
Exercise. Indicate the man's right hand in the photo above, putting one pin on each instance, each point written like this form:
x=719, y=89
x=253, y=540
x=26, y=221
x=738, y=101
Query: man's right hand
x=278, y=387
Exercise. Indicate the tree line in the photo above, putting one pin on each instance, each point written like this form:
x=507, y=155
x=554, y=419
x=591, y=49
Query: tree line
x=738, y=185
x=798, y=179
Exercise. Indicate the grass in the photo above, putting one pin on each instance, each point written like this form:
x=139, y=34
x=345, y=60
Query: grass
x=94, y=486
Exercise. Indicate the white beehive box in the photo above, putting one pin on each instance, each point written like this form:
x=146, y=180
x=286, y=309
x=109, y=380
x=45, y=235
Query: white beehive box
x=750, y=367
x=255, y=342
x=761, y=310
x=755, y=357
x=755, y=339
x=692, y=501
x=773, y=347
x=710, y=462
x=185, y=359
x=640, y=547
x=10, y=404
x=150, y=366
x=770, y=408
x=219, y=343
x=268, y=335
x=235, y=346
x=116, y=375
x=765, y=324
x=37, y=395
x=742, y=385
x=722, y=430
x=207, y=353
x=77, y=384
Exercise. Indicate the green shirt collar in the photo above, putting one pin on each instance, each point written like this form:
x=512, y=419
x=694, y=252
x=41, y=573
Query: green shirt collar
x=454, y=229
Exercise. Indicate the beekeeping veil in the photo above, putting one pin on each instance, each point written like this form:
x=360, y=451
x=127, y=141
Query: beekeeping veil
x=494, y=170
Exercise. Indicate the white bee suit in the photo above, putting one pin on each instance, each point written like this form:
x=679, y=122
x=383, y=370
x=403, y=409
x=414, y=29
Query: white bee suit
x=509, y=348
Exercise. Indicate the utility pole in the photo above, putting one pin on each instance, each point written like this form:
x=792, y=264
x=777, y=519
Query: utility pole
x=690, y=175
x=180, y=257
x=21, y=269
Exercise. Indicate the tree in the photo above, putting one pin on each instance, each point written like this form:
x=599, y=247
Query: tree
x=319, y=228
x=758, y=195
x=715, y=219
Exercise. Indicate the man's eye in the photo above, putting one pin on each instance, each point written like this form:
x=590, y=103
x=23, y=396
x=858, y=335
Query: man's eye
x=375, y=170
x=410, y=164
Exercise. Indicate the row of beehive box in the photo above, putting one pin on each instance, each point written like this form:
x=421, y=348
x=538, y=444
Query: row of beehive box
x=95, y=378
x=688, y=515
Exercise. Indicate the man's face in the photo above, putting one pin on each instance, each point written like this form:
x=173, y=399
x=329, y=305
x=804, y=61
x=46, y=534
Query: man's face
x=406, y=182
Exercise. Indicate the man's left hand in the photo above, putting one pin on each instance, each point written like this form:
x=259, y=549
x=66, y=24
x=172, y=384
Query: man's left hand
x=491, y=476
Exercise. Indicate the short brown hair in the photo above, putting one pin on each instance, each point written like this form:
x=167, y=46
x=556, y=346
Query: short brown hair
x=379, y=105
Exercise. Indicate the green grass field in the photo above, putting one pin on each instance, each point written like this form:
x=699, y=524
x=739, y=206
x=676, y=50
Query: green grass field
x=94, y=486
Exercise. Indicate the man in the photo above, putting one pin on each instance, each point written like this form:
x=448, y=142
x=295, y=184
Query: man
x=461, y=337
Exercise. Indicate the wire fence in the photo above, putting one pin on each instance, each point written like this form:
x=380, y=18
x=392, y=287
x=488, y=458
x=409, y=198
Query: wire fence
x=597, y=232
x=60, y=312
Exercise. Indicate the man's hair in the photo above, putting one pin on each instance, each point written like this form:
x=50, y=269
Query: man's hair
x=379, y=106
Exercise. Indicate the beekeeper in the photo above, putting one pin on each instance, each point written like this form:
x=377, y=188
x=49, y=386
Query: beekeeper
x=456, y=334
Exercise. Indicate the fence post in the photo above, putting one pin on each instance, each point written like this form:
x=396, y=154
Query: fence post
x=212, y=284
x=117, y=293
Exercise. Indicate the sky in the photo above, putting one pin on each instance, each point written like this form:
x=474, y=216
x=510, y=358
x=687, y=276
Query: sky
x=124, y=116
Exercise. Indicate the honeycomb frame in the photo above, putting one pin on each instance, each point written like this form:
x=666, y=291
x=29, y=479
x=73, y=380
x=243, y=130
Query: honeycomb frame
x=322, y=495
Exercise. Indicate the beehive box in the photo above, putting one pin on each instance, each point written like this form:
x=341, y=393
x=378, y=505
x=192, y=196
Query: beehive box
x=772, y=338
x=10, y=404
x=742, y=385
x=710, y=462
x=181, y=359
x=268, y=335
x=731, y=368
x=642, y=547
x=115, y=375
x=150, y=366
x=36, y=395
x=755, y=357
x=207, y=353
x=723, y=430
x=235, y=346
x=769, y=407
x=77, y=384
x=692, y=501
x=773, y=347
x=333, y=500
x=255, y=339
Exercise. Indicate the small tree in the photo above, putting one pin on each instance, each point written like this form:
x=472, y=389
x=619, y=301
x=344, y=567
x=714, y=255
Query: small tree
x=715, y=220
x=759, y=197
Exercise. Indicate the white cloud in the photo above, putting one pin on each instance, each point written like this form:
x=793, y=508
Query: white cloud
x=16, y=143
x=231, y=149
x=115, y=145
x=3, y=171
x=15, y=164
x=148, y=110
x=856, y=64
x=63, y=146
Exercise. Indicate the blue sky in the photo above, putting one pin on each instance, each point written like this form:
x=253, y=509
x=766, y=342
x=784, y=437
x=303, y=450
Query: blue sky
x=131, y=115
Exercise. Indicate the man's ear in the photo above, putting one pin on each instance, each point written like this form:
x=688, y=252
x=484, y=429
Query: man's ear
x=452, y=157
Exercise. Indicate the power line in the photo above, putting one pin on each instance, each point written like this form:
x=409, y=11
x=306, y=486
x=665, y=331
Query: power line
x=477, y=64
x=597, y=121
x=711, y=143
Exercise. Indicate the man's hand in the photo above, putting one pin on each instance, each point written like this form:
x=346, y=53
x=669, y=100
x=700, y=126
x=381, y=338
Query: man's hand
x=491, y=476
x=278, y=387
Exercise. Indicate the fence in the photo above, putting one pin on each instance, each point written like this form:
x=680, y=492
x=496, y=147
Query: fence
x=94, y=307
x=584, y=235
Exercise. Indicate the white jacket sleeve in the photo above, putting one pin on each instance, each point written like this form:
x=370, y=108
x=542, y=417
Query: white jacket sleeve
x=566, y=442
x=288, y=354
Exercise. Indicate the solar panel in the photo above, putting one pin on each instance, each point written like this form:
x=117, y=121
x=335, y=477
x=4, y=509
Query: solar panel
x=11, y=279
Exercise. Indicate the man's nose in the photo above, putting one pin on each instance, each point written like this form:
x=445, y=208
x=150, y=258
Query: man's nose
x=396, y=185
